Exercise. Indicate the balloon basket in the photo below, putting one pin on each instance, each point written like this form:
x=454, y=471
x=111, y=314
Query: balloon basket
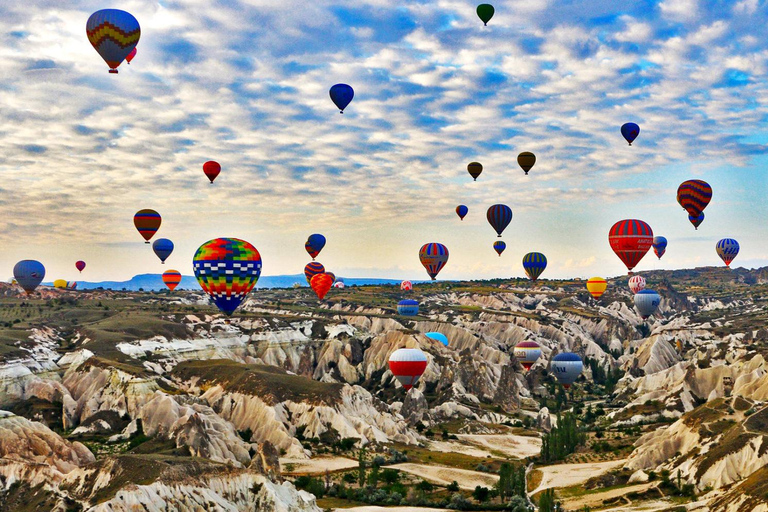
x=113, y=71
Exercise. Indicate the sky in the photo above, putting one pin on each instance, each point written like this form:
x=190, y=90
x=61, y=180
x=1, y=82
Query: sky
x=246, y=83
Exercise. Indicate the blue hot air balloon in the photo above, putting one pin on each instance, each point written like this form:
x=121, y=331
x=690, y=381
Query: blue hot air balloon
x=114, y=34
x=659, y=246
x=630, y=131
x=696, y=221
x=341, y=95
x=499, y=246
x=408, y=307
x=163, y=248
x=499, y=216
x=567, y=367
x=438, y=336
x=29, y=274
x=727, y=249
x=647, y=302
x=534, y=264
x=315, y=244
x=462, y=211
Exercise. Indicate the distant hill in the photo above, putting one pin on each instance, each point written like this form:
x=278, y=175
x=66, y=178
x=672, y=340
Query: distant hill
x=149, y=282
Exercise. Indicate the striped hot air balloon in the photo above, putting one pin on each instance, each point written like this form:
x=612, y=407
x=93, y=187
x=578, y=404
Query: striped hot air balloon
x=696, y=221
x=659, y=246
x=407, y=365
x=636, y=283
x=499, y=246
x=406, y=286
x=171, y=278
x=630, y=239
x=321, y=284
x=227, y=270
x=114, y=34
x=527, y=353
x=694, y=196
x=727, y=249
x=462, y=211
x=312, y=269
x=433, y=256
x=499, y=216
x=147, y=222
x=567, y=367
x=647, y=302
x=408, y=307
x=438, y=336
x=596, y=286
x=534, y=264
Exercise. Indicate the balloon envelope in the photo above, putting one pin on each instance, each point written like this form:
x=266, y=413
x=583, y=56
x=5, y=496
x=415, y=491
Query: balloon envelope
x=526, y=160
x=433, y=256
x=630, y=239
x=227, y=269
x=130, y=56
x=321, y=284
x=647, y=302
x=438, y=336
x=567, y=367
x=171, y=278
x=211, y=169
x=499, y=216
x=114, y=34
x=696, y=221
x=630, y=131
x=408, y=307
x=147, y=222
x=659, y=246
x=80, y=265
x=341, y=95
x=485, y=13
x=163, y=248
x=406, y=286
x=527, y=353
x=462, y=211
x=29, y=274
x=407, y=365
x=636, y=283
x=474, y=169
x=312, y=269
x=499, y=246
x=60, y=283
x=727, y=249
x=314, y=244
x=534, y=264
x=596, y=286
x=694, y=196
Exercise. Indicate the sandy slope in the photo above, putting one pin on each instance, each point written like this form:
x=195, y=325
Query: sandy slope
x=444, y=476
x=596, y=499
x=511, y=445
x=316, y=466
x=391, y=509
x=566, y=475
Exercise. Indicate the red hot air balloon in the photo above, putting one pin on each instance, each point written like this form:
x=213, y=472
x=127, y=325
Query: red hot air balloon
x=433, y=256
x=80, y=265
x=131, y=55
x=321, y=284
x=630, y=239
x=211, y=169
x=694, y=196
x=407, y=365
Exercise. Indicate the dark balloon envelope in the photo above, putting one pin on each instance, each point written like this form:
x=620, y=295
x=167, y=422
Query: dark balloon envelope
x=462, y=211
x=341, y=95
x=474, y=169
x=499, y=216
x=163, y=248
x=499, y=246
x=630, y=131
x=659, y=246
x=29, y=274
x=211, y=170
x=694, y=196
x=314, y=244
x=147, y=222
x=485, y=12
x=80, y=265
x=697, y=220
x=534, y=264
x=526, y=160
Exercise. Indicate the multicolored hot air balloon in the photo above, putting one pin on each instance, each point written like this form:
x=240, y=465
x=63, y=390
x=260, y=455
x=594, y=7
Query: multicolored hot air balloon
x=659, y=246
x=696, y=221
x=130, y=56
x=333, y=276
x=462, y=211
x=321, y=284
x=474, y=169
x=534, y=264
x=407, y=365
x=499, y=246
x=314, y=244
x=527, y=353
x=647, y=302
x=408, y=307
x=596, y=286
x=636, y=283
x=526, y=160
x=341, y=95
x=630, y=239
x=29, y=274
x=567, y=367
x=211, y=170
x=499, y=216
x=312, y=269
x=71, y=285
x=171, y=278
x=406, y=286
x=438, y=336
x=485, y=13
x=694, y=196
x=227, y=269
x=630, y=131
x=114, y=34
x=433, y=256
x=163, y=248
x=727, y=249
x=80, y=266
x=147, y=222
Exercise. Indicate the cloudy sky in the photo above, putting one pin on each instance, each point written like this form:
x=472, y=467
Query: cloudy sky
x=246, y=83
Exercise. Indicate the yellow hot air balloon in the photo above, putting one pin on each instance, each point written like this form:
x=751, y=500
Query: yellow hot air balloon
x=596, y=286
x=60, y=283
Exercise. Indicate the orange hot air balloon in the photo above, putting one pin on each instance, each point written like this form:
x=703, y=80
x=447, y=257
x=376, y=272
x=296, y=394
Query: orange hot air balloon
x=172, y=278
x=211, y=169
x=596, y=286
x=321, y=284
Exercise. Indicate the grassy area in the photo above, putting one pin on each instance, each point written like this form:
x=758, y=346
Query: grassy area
x=420, y=455
x=534, y=479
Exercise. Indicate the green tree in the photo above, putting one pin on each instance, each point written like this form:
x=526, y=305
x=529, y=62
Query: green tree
x=361, y=459
x=481, y=494
x=547, y=501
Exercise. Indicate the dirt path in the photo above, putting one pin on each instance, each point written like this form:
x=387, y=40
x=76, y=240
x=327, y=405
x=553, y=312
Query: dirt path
x=596, y=499
x=566, y=475
x=445, y=476
x=315, y=466
x=510, y=445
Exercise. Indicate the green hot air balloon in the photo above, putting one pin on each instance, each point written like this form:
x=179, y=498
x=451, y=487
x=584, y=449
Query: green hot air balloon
x=485, y=12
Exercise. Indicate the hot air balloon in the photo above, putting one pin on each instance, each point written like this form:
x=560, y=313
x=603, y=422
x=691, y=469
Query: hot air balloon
x=408, y=307
x=433, y=256
x=314, y=244
x=163, y=248
x=567, y=367
x=636, y=283
x=696, y=221
x=227, y=269
x=694, y=196
x=526, y=160
x=339, y=284
x=407, y=365
x=130, y=56
x=147, y=222
x=333, y=276
x=80, y=265
x=499, y=216
x=499, y=246
x=596, y=286
x=630, y=131
x=211, y=170
x=485, y=13
x=727, y=249
x=630, y=239
x=462, y=211
x=474, y=169
x=527, y=353
x=29, y=274
x=321, y=284
x=406, y=286
x=647, y=302
x=659, y=246
x=171, y=278
x=114, y=34
x=71, y=285
x=438, y=336
x=60, y=283
x=341, y=95
x=534, y=264
x=312, y=269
